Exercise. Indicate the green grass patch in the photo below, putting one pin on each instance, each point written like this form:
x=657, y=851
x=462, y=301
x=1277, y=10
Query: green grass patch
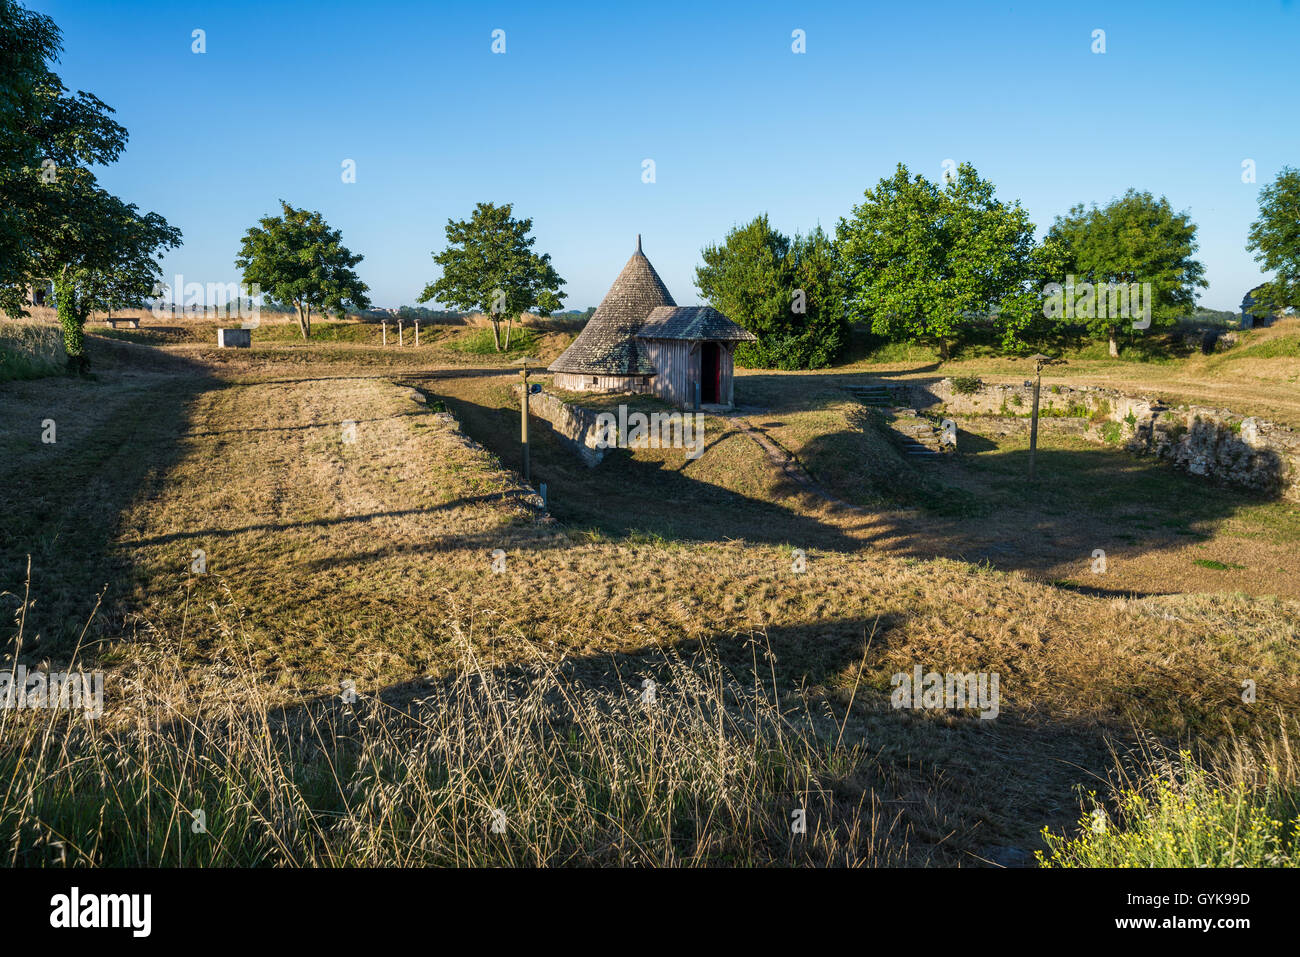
x=1217, y=566
x=356, y=332
x=1280, y=347
x=480, y=342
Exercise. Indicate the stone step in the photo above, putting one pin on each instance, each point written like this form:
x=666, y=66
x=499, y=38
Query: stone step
x=872, y=396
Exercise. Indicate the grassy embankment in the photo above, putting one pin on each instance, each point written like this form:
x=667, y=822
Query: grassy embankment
x=370, y=561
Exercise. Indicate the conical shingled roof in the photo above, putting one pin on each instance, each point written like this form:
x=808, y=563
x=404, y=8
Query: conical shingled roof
x=607, y=347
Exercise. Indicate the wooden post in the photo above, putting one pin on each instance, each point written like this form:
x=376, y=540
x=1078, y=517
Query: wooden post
x=385, y=325
x=1039, y=360
x=523, y=420
x=417, y=332
x=401, y=336
x=545, y=503
x=1033, y=424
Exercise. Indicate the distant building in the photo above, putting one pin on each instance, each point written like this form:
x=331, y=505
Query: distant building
x=639, y=340
x=1252, y=313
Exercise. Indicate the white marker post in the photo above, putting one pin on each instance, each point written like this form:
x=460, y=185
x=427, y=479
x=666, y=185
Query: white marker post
x=385, y=325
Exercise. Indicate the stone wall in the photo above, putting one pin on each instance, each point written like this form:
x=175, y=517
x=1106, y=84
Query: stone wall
x=1215, y=443
x=575, y=425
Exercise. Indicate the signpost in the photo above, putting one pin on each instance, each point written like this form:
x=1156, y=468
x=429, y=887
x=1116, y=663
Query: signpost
x=1039, y=360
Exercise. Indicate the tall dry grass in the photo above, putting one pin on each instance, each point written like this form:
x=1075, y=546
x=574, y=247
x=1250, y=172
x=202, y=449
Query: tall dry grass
x=480, y=767
x=29, y=350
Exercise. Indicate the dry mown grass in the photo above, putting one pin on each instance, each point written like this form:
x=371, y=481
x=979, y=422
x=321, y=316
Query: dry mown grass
x=370, y=561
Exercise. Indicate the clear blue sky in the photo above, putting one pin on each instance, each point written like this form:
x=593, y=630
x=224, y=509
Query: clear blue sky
x=736, y=123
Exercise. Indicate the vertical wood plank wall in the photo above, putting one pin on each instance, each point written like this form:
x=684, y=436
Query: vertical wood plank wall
x=678, y=362
x=678, y=369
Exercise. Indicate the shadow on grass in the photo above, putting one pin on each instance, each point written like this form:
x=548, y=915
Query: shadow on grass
x=62, y=502
x=628, y=495
x=977, y=505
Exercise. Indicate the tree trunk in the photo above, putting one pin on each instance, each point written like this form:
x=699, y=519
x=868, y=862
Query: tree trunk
x=496, y=333
x=1114, y=345
x=943, y=349
x=509, y=325
x=73, y=321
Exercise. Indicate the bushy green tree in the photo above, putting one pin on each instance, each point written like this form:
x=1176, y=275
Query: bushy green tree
x=1127, y=244
x=1021, y=319
x=548, y=303
x=925, y=262
x=296, y=258
x=1275, y=240
x=787, y=292
x=56, y=224
x=489, y=265
x=103, y=256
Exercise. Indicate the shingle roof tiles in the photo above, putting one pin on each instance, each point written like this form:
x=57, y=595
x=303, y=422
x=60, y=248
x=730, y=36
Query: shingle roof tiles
x=639, y=306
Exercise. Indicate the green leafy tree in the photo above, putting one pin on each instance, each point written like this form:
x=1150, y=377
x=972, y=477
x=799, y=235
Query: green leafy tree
x=104, y=256
x=548, y=303
x=56, y=224
x=27, y=41
x=1275, y=240
x=489, y=265
x=297, y=259
x=48, y=140
x=1023, y=322
x=1125, y=245
x=926, y=262
x=787, y=292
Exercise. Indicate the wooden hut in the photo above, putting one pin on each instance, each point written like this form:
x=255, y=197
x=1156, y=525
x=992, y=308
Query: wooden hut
x=692, y=349
x=606, y=356
x=639, y=340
